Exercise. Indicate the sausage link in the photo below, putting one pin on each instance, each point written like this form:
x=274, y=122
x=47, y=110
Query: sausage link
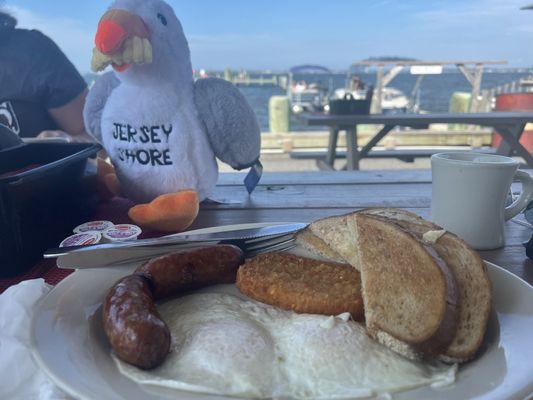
x=130, y=318
x=133, y=325
x=193, y=269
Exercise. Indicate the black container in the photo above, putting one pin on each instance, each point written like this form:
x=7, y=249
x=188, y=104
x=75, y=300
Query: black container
x=39, y=207
x=350, y=106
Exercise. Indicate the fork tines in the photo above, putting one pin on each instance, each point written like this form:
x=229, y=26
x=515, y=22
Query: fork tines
x=268, y=245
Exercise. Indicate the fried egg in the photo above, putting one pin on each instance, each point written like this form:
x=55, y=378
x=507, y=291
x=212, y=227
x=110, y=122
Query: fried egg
x=225, y=344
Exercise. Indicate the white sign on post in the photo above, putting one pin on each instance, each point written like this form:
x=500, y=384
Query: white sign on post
x=426, y=70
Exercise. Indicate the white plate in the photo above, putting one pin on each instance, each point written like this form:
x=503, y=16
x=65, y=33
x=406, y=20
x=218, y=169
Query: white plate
x=69, y=344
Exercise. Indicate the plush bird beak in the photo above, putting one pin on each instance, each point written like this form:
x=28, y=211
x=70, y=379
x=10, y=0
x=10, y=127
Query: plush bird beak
x=122, y=39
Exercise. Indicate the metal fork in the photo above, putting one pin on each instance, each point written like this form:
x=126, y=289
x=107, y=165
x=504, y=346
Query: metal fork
x=250, y=248
x=283, y=243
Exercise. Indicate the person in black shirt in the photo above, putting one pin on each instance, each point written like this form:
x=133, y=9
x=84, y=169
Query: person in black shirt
x=41, y=92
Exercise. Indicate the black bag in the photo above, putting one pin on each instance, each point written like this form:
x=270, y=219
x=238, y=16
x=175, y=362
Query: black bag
x=348, y=105
x=46, y=189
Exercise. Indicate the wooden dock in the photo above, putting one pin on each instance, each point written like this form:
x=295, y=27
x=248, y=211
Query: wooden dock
x=261, y=81
x=243, y=78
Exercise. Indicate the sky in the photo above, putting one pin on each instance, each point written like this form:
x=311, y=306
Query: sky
x=278, y=34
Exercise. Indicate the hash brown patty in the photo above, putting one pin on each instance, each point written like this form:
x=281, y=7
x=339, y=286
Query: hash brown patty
x=302, y=285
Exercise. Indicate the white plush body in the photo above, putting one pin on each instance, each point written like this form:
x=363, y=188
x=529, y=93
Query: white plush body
x=209, y=118
x=193, y=161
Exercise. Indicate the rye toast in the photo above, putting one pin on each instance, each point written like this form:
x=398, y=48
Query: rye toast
x=409, y=294
x=473, y=284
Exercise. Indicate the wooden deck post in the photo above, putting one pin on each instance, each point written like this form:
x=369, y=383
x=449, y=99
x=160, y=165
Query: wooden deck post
x=473, y=76
x=382, y=80
x=379, y=90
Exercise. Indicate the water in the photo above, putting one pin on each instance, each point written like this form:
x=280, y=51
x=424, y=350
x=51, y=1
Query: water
x=435, y=91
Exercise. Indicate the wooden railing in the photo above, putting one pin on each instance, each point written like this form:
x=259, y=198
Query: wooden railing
x=488, y=95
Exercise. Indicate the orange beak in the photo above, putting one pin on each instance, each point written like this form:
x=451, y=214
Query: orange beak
x=114, y=28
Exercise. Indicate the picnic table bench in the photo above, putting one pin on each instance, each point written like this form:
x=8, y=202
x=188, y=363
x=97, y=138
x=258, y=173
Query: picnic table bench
x=305, y=197
x=510, y=125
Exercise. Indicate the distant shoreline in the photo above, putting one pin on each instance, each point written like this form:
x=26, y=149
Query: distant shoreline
x=266, y=72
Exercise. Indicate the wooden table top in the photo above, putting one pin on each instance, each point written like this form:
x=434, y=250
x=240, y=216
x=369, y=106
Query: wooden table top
x=490, y=119
x=304, y=197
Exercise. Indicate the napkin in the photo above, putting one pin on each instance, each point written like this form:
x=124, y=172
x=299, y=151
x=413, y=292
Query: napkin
x=21, y=378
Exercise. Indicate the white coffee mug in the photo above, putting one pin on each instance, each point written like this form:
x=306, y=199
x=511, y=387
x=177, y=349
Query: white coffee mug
x=470, y=192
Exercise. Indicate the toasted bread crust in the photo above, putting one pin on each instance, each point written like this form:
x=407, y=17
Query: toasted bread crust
x=337, y=234
x=312, y=243
x=473, y=284
x=302, y=285
x=442, y=338
x=419, y=280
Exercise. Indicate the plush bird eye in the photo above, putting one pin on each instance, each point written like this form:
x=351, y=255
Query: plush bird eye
x=162, y=19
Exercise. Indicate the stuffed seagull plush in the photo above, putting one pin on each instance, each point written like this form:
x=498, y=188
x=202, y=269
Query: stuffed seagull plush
x=161, y=129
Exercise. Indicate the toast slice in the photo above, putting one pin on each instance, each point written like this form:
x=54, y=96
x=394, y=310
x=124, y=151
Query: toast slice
x=336, y=233
x=473, y=285
x=302, y=285
x=312, y=243
x=409, y=293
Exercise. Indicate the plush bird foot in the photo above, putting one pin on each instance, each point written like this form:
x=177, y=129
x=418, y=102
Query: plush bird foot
x=108, y=185
x=173, y=212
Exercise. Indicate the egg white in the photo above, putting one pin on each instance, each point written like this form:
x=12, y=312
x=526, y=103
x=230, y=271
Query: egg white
x=229, y=345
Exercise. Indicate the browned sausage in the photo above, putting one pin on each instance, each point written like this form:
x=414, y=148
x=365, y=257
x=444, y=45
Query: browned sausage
x=193, y=269
x=131, y=322
x=133, y=325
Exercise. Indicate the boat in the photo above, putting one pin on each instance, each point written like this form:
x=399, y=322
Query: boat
x=306, y=96
x=392, y=99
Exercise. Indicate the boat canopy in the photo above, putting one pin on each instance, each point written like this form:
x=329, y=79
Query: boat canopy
x=309, y=69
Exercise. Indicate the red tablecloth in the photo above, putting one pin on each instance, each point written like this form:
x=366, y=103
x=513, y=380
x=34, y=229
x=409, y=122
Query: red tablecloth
x=115, y=210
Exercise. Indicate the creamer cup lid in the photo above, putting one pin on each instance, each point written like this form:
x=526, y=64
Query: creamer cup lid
x=122, y=232
x=82, y=239
x=93, y=226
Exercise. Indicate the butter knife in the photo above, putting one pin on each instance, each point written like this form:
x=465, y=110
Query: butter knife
x=119, y=252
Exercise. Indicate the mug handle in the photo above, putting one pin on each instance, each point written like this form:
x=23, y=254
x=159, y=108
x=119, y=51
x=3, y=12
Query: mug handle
x=525, y=197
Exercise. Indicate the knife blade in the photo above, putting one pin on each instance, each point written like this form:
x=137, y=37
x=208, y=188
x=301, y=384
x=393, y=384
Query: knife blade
x=107, y=254
x=247, y=234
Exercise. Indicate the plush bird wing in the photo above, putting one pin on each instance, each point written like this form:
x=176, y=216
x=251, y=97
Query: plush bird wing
x=95, y=103
x=231, y=126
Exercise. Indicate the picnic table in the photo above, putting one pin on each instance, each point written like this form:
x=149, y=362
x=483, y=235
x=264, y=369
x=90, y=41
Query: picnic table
x=304, y=197
x=510, y=125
